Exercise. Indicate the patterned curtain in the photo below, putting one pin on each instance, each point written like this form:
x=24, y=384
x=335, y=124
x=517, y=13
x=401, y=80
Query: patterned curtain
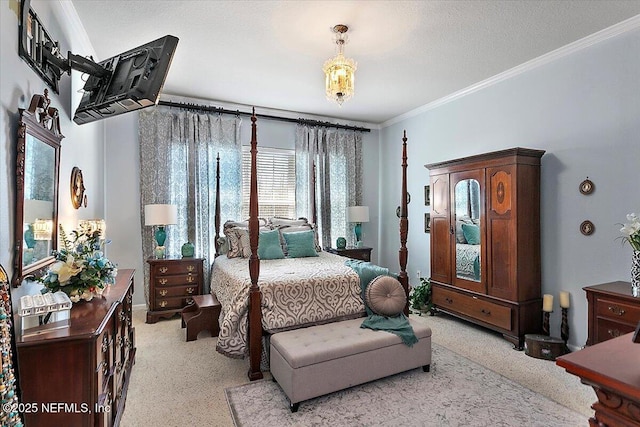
x=335, y=157
x=178, y=155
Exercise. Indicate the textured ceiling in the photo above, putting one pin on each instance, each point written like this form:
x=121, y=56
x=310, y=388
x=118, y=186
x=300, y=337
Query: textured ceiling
x=409, y=53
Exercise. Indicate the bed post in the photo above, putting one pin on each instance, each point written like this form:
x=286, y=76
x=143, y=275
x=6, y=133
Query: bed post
x=255, y=314
x=404, y=226
x=217, y=213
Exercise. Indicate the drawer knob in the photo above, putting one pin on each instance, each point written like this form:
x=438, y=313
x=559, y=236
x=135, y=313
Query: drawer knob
x=616, y=310
x=190, y=268
x=190, y=290
x=163, y=281
x=163, y=304
x=449, y=300
x=189, y=301
x=486, y=312
x=163, y=292
x=190, y=279
x=163, y=270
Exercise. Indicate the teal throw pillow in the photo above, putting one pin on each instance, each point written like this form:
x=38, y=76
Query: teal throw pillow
x=269, y=245
x=471, y=234
x=300, y=244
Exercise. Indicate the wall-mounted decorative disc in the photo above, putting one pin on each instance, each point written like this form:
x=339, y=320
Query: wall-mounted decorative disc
x=77, y=187
x=587, y=187
x=587, y=228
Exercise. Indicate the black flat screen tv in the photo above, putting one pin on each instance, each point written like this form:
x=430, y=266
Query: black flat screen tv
x=134, y=81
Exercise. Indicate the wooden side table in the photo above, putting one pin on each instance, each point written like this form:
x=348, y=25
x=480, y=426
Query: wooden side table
x=172, y=285
x=363, y=253
x=612, y=369
x=613, y=311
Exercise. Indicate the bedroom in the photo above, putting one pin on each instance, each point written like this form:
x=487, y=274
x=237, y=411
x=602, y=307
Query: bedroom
x=580, y=107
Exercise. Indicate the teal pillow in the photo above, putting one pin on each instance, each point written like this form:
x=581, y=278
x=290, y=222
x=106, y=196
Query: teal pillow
x=471, y=233
x=300, y=244
x=269, y=245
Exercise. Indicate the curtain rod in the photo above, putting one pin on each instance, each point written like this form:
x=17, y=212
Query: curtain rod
x=220, y=110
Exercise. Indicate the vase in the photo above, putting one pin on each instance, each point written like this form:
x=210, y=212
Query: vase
x=635, y=274
x=187, y=250
x=341, y=243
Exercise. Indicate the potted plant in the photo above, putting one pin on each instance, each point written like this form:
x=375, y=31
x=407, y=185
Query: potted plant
x=420, y=297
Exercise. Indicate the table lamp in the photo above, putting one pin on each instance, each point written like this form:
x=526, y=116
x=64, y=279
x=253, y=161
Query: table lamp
x=160, y=215
x=357, y=215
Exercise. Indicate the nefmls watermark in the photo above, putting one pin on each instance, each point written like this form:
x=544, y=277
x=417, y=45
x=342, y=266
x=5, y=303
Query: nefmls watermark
x=55, y=407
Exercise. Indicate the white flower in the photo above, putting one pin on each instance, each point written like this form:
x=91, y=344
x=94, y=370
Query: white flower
x=66, y=270
x=631, y=231
x=74, y=298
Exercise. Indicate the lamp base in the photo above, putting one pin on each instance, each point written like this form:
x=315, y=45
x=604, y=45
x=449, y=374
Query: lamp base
x=160, y=252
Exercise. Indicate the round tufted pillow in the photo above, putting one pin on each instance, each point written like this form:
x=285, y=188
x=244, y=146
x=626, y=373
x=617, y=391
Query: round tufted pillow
x=384, y=296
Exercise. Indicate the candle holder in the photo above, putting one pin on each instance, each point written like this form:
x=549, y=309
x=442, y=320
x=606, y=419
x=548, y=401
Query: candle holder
x=564, y=328
x=545, y=322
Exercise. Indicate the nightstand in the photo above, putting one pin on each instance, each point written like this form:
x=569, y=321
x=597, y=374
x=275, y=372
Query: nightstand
x=362, y=253
x=172, y=285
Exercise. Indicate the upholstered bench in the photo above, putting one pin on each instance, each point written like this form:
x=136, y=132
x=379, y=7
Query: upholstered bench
x=318, y=360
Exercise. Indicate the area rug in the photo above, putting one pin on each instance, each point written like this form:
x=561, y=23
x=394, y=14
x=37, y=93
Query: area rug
x=457, y=392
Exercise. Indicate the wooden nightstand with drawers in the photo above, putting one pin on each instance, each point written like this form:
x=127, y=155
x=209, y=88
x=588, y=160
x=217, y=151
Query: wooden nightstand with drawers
x=172, y=285
x=363, y=253
x=613, y=311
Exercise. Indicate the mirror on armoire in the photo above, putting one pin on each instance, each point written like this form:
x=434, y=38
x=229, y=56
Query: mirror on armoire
x=37, y=170
x=468, y=235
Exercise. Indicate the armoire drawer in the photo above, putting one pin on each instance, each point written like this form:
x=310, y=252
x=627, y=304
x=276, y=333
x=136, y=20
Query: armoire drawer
x=181, y=279
x=176, y=291
x=472, y=306
x=183, y=267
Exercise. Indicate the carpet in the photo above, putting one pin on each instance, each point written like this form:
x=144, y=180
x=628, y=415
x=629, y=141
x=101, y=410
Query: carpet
x=457, y=392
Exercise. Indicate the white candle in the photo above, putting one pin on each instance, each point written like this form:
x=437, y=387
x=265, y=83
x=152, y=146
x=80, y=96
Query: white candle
x=547, y=303
x=564, y=299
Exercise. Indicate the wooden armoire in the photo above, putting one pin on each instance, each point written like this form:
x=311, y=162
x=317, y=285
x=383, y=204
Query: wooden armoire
x=485, y=240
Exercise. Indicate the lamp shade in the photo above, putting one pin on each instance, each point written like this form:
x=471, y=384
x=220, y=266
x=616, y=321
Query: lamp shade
x=160, y=214
x=358, y=214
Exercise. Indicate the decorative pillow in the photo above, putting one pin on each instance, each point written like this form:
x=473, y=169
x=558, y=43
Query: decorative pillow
x=286, y=225
x=300, y=244
x=471, y=234
x=235, y=250
x=223, y=247
x=385, y=296
x=269, y=245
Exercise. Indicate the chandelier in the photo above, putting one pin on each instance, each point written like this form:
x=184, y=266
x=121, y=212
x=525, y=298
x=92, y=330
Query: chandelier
x=340, y=71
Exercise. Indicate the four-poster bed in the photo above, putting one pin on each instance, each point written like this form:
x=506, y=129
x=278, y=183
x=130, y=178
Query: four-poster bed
x=315, y=290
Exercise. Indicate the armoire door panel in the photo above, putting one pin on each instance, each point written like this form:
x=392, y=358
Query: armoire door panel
x=500, y=195
x=502, y=259
x=440, y=195
x=440, y=254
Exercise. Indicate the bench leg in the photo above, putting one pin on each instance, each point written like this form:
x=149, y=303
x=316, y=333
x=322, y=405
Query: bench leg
x=426, y=368
x=294, y=406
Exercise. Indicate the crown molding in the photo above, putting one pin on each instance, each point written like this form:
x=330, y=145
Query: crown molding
x=615, y=30
x=76, y=30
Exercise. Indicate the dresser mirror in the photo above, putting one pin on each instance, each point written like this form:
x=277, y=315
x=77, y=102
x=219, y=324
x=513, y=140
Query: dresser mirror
x=467, y=231
x=37, y=170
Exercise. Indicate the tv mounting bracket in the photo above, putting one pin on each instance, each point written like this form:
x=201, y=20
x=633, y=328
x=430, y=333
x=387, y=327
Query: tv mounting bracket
x=42, y=53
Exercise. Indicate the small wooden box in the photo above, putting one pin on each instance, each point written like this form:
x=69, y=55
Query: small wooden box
x=544, y=347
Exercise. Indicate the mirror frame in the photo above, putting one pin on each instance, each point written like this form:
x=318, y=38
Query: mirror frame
x=41, y=121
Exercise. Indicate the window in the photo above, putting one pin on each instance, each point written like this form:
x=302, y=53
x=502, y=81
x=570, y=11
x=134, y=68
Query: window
x=276, y=182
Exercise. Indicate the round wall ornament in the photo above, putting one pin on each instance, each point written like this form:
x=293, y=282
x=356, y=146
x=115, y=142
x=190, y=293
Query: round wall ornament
x=77, y=187
x=587, y=228
x=587, y=186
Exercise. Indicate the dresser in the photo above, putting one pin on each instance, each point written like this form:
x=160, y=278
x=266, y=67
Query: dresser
x=363, y=253
x=172, y=285
x=612, y=311
x=78, y=375
x=485, y=240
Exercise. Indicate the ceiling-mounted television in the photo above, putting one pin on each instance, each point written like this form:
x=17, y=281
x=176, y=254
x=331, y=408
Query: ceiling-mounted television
x=133, y=80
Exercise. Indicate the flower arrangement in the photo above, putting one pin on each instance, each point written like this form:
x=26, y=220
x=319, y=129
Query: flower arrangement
x=631, y=231
x=81, y=270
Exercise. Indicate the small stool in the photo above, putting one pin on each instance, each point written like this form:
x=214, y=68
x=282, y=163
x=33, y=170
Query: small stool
x=202, y=315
